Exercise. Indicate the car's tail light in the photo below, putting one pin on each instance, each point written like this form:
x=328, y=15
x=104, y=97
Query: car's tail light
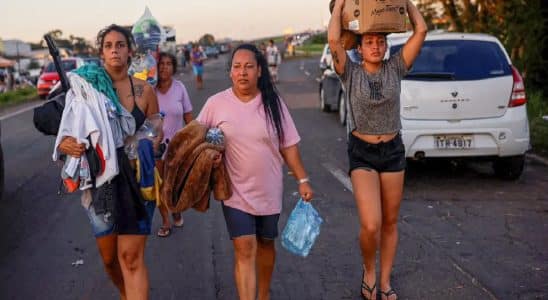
x=518, y=90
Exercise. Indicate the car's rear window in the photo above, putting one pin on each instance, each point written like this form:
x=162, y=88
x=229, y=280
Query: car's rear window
x=458, y=60
x=68, y=65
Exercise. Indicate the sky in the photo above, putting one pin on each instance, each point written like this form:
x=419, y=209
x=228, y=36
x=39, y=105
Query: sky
x=28, y=20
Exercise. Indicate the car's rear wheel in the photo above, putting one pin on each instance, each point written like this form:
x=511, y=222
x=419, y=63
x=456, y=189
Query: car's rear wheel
x=342, y=110
x=323, y=106
x=509, y=168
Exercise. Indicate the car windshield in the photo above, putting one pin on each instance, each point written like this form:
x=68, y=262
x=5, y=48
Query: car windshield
x=68, y=65
x=458, y=60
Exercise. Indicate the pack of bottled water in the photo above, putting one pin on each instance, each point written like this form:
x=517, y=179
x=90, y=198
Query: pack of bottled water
x=149, y=130
x=302, y=229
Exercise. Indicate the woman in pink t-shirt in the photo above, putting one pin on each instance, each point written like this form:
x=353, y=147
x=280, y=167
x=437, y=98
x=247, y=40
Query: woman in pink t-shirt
x=259, y=136
x=174, y=103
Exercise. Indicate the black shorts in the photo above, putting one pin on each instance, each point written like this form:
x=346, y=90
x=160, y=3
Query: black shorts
x=382, y=157
x=240, y=223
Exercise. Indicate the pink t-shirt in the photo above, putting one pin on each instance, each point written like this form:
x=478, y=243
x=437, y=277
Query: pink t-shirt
x=252, y=151
x=174, y=103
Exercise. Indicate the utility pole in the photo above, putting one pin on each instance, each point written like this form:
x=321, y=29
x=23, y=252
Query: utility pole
x=18, y=61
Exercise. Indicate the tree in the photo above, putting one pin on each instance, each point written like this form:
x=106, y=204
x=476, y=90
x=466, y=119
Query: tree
x=57, y=36
x=80, y=46
x=207, y=40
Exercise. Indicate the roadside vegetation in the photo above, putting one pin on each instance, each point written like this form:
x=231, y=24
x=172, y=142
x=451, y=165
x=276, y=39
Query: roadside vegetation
x=313, y=46
x=537, y=108
x=18, y=96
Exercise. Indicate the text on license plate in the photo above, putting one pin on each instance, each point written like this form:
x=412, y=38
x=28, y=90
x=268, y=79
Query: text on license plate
x=453, y=141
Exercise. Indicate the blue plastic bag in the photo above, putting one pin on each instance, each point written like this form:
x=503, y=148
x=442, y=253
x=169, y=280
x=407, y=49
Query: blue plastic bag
x=302, y=229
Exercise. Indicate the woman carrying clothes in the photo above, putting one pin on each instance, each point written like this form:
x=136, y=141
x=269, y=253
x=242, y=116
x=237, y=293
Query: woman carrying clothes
x=175, y=104
x=197, y=59
x=254, y=154
x=376, y=151
x=121, y=237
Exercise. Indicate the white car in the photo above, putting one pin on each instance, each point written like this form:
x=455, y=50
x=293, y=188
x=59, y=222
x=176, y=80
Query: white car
x=464, y=98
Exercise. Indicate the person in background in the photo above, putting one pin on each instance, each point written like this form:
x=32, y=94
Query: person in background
x=262, y=48
x=197, y=59
x=254, y=155
x=175, y=104
x=121, y=236
x=375, y=149
x=274, y=59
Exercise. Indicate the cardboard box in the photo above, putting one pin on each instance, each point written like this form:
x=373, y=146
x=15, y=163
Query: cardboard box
x=362, y=16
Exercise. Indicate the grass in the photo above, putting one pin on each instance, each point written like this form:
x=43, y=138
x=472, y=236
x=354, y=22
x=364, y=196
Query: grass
x=18, y=96
x=309, y=49
x=536, y=108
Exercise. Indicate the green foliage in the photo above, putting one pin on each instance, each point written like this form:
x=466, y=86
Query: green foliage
x=18, y=95
x=207, y=40
x=320, y=38
x=536, y=108
x=539, y=136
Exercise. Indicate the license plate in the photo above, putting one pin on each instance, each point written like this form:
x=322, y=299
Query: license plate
x=453, y=141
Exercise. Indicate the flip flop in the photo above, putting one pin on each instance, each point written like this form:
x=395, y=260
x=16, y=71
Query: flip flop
x=164, y=231
x=178, y=222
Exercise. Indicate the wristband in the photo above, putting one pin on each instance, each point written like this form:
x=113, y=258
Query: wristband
x=303, y=180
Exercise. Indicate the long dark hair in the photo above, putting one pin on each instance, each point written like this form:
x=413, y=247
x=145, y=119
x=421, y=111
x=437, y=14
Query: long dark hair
x=271, y=99
x=113, y=27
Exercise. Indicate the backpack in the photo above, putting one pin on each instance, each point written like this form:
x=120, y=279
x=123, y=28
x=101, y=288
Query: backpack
x=47, y=117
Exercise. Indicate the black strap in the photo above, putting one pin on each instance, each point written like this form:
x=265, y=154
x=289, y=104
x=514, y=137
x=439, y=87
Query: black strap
x=132, y=89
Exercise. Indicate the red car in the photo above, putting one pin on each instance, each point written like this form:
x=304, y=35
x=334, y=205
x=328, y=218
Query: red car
x=49, y=76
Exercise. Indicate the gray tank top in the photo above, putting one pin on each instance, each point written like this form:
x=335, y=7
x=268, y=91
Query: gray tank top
x=374, y=103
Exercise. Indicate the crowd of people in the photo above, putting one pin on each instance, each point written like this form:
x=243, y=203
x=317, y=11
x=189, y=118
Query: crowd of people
x=253, y=155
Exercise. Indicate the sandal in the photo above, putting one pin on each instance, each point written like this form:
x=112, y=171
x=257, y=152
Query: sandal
x=367, y=288
x=389, y=293
x=178, y=220
x=164, y=231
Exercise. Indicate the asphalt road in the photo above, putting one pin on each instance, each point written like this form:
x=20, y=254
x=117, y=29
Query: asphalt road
x=463, y=233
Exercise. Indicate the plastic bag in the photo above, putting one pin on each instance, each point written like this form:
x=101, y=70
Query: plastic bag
x=302, y=229
x=149, y=130
x=148, y=35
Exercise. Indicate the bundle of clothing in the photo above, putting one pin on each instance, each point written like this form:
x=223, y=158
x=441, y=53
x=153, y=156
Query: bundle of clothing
x=94, y=116
x=97, y=121
x=189, y=174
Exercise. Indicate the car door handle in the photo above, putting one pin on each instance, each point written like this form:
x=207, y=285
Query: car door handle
x=410, y=107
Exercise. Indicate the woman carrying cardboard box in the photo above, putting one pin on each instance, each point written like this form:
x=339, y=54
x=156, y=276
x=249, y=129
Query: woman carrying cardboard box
x=375, y=149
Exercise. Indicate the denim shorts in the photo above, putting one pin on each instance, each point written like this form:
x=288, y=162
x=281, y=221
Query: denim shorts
x=198, y=70
x=239, y=223
x=104, y=224
x=382, y=157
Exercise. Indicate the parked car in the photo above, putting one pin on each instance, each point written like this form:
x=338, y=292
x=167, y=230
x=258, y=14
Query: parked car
x=463, y=98
x=49, y=76
x=211, y=51
x=332, y=96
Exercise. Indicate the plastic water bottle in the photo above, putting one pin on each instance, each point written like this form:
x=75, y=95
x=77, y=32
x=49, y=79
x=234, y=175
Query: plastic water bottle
x=302, y=229
x=215, y=136
x=149, y=130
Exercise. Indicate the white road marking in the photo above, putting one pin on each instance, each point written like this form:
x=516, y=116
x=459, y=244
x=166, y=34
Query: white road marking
x=15, y=113
x=339, y=174
x=307, y=73
x=318, y=79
